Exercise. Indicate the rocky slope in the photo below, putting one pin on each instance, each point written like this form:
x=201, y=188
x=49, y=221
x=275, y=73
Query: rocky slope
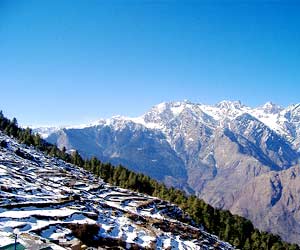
x=49, y=204
x=218, y=152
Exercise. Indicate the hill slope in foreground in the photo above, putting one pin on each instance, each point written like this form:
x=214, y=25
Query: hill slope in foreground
x=50, y=203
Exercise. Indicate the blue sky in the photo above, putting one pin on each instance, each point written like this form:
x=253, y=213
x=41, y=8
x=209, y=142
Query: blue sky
x=70, y=62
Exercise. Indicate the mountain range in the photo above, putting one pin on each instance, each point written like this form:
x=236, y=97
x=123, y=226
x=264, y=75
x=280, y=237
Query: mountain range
x=232, y=156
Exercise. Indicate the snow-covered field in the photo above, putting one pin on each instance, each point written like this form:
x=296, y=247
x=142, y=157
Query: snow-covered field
x=41, y=196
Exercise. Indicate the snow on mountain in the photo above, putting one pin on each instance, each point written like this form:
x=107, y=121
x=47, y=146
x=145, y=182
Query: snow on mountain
x=43, y=198
x=271, y=108
x=275, y=117
x=45, y=131
x=208, y=150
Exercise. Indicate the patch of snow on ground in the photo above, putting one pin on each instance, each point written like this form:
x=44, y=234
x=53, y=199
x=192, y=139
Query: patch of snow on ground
x=45, y=212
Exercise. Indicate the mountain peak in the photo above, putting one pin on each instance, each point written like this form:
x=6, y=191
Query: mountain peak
x=271, y=108
x=161, y=107
x=230, y=104
x=295, y=106
x=173, y=108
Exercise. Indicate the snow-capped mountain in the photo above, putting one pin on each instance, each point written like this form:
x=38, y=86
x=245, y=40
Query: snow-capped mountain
x=284, y=121
x=44, y=201
x=214, y=151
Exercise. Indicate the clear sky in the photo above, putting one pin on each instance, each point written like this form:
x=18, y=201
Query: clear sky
x=70, y=62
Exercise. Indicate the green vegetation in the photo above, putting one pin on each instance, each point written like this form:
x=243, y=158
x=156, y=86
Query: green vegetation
x=231, y=228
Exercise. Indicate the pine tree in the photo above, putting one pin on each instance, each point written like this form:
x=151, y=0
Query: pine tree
x=247, y=245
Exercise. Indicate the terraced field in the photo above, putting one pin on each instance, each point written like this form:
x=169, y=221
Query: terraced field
x=50, y=204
